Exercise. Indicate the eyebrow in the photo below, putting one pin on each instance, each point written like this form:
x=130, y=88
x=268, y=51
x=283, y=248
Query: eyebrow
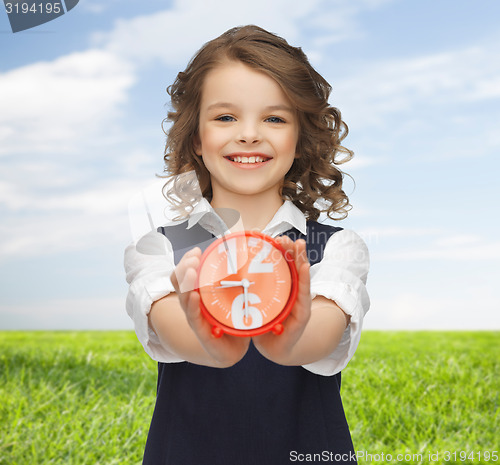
x=268, y=108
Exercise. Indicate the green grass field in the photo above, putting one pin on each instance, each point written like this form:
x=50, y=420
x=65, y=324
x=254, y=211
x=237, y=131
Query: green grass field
x=79, y=398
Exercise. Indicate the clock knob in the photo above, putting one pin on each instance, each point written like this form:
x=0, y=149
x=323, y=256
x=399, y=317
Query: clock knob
x=278, y=329
x=217, y=332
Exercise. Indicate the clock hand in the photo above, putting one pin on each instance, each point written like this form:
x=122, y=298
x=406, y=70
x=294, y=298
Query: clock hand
x=231, y=284
x=227, y=219
x=227, y=251
x=246, y=284
x=245, y=292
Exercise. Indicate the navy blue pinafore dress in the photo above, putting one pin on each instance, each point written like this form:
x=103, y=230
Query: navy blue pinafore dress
x=253, y=413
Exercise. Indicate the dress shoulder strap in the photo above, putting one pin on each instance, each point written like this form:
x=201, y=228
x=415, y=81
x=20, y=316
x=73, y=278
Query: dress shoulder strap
x=317, y=235
x=184, y=239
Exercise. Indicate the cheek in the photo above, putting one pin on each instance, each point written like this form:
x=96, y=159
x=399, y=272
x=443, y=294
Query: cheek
x=289, y=143
x=293, y=146
x=197, y=145
x=212, y=141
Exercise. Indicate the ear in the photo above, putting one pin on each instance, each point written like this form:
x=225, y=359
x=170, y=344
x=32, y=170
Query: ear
x=197, y=145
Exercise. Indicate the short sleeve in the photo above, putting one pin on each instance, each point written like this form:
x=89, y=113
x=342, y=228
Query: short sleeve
x=148, y=266
x=341, y=276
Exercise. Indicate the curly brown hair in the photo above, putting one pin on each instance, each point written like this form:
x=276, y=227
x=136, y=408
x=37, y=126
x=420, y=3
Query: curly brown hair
x=314, y=182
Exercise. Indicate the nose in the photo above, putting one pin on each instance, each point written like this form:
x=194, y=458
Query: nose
x=249, y=133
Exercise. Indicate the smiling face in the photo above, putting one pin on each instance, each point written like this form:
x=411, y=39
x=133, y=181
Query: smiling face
x=248, y=131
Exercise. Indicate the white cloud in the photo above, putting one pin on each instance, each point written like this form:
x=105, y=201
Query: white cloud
x=458, y=240
x=58, y=233
x=174, y=35
x=362, y=161
x=104, y=198
x=399, y=86
x=54, y=106
x=79, y=313
x=58, y=223
x=483, y=251
x=52, y=111
x=391, y=244
x=396, y=231
x=474, y=308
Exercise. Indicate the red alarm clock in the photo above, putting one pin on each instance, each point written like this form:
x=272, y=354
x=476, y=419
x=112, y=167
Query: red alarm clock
x=247, y=284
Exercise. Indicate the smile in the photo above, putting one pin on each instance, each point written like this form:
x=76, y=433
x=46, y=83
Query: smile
x=251, y=159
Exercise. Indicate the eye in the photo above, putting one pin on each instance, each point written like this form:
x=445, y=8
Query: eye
x=275, y=119
x=225, y=118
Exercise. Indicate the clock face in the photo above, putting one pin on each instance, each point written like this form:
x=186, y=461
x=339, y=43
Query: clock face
x=246, y=284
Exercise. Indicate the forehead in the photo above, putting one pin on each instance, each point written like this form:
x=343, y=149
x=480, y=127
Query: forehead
x=235, y=82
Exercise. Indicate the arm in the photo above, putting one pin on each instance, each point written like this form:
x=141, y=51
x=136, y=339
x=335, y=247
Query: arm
x=177, y=321
x=315, y=328
x=320, y=336
x=154, y=303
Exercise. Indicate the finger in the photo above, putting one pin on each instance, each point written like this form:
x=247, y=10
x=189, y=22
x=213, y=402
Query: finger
x=217, y=347
x=188, y=281
x=284, y=240
x=192, y=308
x=287, y=245
x=190, y=260
x=302, y=306
x=178, y=273
x=305, y=279
x=173, y=280
x=187, y=286
x=300, y=253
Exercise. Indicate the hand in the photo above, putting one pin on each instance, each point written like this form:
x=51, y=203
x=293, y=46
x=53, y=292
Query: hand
x=226, y=350
x=279, y=348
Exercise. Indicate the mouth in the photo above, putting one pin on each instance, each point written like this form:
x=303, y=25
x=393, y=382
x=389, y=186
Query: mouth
x=248, y=159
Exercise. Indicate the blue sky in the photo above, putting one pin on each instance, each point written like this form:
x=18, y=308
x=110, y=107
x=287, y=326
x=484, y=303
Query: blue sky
x=81, y=103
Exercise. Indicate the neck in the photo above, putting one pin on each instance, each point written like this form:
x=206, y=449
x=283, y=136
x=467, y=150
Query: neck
x=255, y=210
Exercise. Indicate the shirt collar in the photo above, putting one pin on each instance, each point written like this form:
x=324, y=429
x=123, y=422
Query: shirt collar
x=288, y=216
x=199, y=211
x=204, y=214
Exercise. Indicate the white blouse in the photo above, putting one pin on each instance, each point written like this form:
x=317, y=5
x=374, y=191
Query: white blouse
x=340, y=276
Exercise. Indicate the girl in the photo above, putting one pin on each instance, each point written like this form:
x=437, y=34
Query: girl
x=251, y=118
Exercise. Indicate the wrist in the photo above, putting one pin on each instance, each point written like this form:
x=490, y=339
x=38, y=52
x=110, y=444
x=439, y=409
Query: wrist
x=276, y=350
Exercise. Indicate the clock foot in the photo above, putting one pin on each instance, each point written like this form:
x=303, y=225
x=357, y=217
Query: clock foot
x=278, y=329
x=217, y=332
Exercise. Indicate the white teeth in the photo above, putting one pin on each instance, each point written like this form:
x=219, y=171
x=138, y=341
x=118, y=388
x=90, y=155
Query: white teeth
x=238, y=159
